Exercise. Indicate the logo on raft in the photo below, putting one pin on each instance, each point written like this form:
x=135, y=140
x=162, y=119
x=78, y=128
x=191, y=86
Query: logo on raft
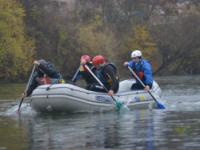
x=137, y=99
x=104, y=99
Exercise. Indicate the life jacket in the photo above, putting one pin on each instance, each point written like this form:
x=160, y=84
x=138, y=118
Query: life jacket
x=47, y=80
x=114, y=67
x=141, y=75
x=140, y=72
x=105, y=80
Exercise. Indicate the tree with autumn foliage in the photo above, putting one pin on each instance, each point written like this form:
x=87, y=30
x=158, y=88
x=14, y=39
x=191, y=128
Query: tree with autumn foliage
x=16, y=49
x=94, y=38
x=140, y=38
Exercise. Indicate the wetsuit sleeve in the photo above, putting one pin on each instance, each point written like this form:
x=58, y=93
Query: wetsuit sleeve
x=112, y=77
x=130, y=64
x=49, y=70
x=148, y=74
x=85, y=74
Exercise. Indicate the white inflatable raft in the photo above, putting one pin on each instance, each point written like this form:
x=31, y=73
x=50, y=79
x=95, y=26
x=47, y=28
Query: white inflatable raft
x=71, y=98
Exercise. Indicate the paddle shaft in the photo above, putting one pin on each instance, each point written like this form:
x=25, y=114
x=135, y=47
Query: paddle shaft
x=99, y=82
x=75, y=75
x=27, y=86
x=135, y=75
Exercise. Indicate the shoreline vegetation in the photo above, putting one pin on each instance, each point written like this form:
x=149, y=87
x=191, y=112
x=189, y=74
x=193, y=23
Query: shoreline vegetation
x=61, y=31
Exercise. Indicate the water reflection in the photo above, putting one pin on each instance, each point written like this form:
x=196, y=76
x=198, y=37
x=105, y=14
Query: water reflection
x=91, y=131
x=138, y=129
x=12, y=134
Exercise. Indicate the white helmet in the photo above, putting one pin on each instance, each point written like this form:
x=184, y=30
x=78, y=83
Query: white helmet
x=136, y=53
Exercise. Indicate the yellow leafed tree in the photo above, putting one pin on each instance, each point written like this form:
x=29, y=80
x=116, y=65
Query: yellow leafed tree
x=141, y=39
x=16, y=49
x=94, y=38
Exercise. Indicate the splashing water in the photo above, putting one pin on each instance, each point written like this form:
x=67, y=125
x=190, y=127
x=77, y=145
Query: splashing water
x=25, y=110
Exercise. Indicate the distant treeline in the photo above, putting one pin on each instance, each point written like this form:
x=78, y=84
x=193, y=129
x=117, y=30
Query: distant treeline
x=167, y=32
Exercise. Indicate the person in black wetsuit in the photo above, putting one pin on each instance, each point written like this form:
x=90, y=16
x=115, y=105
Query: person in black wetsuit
x=45, y=73
x=83, y=73
x=107, y=74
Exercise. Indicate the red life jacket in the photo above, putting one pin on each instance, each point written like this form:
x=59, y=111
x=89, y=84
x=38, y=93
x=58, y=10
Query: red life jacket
x=140, y=75
x=45, y=80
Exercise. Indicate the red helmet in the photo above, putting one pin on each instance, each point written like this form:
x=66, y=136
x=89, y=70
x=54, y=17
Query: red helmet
x=86, y=58
x=97, y=60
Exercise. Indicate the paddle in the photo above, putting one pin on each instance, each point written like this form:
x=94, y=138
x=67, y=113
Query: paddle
x=118, y=104
x=159, y=105
x=75, y=75
x=27, y=86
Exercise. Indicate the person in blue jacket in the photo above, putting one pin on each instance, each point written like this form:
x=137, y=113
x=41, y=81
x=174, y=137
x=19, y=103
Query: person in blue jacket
x=143, y=70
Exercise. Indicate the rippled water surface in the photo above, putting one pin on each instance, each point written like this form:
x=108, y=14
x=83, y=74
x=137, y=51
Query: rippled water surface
x=176, y=127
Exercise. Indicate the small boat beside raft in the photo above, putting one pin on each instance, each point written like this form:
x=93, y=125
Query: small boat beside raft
x=71, y=98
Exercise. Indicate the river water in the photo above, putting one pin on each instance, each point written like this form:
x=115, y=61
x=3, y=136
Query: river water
x=176, y=127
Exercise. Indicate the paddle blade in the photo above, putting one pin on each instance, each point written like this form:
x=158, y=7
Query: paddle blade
x=160, y=106
x=121, y=107
x=118, y=105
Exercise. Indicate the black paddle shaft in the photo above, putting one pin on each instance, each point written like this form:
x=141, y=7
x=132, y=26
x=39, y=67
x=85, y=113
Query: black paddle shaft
x=27, y=86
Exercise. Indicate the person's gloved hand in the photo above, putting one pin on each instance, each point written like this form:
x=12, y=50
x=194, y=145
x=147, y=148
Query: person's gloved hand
x=36, y=63
x=83, y=62
x=111, y=93
x=146, y=88
x=24, y=95
x=125, y=64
